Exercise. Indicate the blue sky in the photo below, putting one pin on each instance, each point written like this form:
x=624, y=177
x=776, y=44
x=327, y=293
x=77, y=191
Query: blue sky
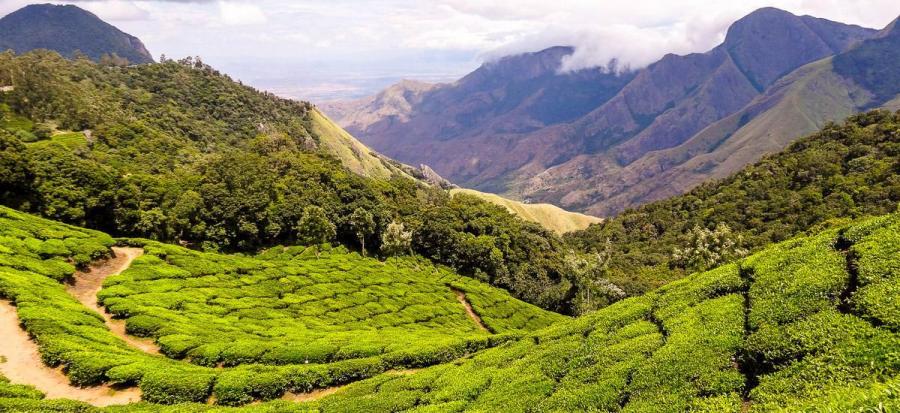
x=327, y=49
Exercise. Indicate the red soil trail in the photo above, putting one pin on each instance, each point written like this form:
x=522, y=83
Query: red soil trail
x=88, y=283
x=21, y=364
x=461, y=296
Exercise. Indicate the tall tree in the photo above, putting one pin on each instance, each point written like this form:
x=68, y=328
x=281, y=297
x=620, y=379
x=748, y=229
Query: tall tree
x=363, y=225
x=396, y=239
x=314, y=227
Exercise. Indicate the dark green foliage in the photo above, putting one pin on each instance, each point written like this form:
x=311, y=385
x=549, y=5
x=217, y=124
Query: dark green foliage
x=179, y=152
x=314, y=227
x=844, y=171
x=363, y=225
x=15, y=168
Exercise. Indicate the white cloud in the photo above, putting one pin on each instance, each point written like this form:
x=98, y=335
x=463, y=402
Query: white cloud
x=639, y=33
x=117, y=10
x=239, y=14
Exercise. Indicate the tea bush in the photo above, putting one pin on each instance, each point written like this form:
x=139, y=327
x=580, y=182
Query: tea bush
x=288, y=306
x=795, y=327
x=293, y=322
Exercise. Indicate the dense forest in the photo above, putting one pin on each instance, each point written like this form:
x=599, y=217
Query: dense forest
x=178, y=152
x=844, y=171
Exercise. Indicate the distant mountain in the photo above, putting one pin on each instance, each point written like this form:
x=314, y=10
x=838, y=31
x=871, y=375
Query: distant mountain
x=67, y=29
x=600, y=142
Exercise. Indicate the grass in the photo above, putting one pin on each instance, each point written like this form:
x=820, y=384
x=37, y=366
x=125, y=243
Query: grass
x=549, y=216
x=352, y=153
x=69, y=140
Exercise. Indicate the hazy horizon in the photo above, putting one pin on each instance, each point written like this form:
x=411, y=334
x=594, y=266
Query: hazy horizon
x=327, y=50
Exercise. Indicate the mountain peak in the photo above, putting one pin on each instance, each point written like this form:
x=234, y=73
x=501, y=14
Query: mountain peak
x=769, y=42
x=67, y=29
x=756, y=20
x=891, y=30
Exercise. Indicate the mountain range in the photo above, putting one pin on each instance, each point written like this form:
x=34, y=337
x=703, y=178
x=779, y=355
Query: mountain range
x=67, y=30
x=603, y=140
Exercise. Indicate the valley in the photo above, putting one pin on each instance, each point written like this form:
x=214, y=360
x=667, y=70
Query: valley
x=173, y=240
x=647, y=135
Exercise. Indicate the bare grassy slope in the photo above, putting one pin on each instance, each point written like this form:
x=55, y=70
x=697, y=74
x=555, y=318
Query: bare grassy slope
x=551, y=217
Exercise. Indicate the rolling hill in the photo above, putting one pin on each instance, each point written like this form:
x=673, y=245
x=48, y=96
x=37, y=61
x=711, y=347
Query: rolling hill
x=645, y=135
x=807, y=324
x=843, y=171
x=179, y=152
x=224, y=325
x=68, y=29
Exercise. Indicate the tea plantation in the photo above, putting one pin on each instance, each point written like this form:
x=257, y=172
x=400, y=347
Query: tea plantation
x=810, y=324
x=276, y=315
x=806, y=325
x=288, y=306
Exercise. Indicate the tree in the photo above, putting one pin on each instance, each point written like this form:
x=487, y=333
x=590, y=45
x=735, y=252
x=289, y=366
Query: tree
x=363, y=225
x=314, y=227
x=709, y=248
x=589, y=273
x=396, y=240
x=42, y=131
x=15, y=170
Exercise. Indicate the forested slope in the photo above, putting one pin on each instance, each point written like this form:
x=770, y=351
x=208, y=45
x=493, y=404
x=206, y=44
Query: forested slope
x=844, y=171
x=178, y=152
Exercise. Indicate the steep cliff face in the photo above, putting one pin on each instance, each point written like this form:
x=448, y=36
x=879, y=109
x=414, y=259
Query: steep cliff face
x=67, y=29
x=596, y=141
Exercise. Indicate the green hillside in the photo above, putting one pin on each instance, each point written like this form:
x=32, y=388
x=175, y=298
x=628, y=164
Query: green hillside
x=243, y=328
x=789, y=328
x=805, y=325
x=178, y=152
x=842, y=172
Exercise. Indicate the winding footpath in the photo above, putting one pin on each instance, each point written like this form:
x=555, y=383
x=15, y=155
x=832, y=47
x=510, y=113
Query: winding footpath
x=461, y=297
x=88, y=284
x=20, y=358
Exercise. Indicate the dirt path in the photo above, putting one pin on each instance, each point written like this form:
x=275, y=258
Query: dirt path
x=461, y=296
x=312, y=395
x=88, y=284
x=317, y=394
x=23, y=365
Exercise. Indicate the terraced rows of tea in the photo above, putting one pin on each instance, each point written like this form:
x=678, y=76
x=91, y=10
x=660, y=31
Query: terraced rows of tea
x=807, y=325
x=811, y=324
x=234, y=329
